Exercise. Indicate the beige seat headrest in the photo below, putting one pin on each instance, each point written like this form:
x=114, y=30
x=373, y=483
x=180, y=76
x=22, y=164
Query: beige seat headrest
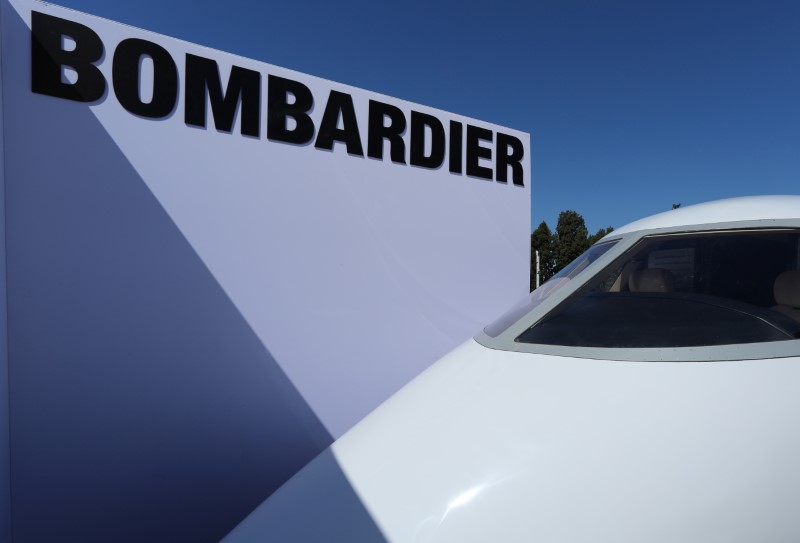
x=651, y=280
x=787, y=288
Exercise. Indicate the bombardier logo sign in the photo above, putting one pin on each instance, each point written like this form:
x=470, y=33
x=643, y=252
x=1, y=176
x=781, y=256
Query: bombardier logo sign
x=214, y=252
x=419, y=140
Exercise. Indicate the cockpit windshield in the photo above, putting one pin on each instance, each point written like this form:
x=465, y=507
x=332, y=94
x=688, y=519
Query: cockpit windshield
x=684, y=290
x=569, y=272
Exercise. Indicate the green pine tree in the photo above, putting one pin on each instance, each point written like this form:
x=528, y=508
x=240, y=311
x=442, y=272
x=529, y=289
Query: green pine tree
x=542, y=240
x=572, y=238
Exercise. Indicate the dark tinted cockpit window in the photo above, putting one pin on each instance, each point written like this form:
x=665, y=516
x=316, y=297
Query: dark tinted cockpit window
x=685, y=290
x=552, y=285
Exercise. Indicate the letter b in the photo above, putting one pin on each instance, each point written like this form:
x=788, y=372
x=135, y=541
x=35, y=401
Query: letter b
x=48, y=57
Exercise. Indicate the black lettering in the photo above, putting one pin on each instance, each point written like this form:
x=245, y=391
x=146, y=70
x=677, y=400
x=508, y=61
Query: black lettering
x=456, y=146
x=378, y=131
x=417, y=155
x=279, y=109
x=48, y=58
x=509, y=153
x=475, y=135
x=339, y=105
x=244, y=87
x=126, y=77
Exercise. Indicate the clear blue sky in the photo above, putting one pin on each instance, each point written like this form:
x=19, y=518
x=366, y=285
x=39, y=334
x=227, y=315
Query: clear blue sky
x=632, y=105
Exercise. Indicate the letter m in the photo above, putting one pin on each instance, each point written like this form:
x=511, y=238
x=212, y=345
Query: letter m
x=244, y=87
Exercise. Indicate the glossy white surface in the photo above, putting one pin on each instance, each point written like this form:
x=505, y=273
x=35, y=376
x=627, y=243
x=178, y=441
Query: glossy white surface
x=747, y=208
x=498, y=446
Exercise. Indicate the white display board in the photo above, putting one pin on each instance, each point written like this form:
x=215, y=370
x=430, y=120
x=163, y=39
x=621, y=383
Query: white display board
x=215, y=266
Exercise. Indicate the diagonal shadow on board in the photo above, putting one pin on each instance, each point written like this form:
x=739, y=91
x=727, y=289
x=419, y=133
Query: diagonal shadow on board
x=143, y=406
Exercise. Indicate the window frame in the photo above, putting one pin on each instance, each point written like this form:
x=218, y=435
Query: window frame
x=505, y=340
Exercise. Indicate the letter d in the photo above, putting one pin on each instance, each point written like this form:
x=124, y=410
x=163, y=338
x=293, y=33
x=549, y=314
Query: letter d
x=48, y=58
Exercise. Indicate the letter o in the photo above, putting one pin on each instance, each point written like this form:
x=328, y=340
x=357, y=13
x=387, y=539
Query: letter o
x=126, y=76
